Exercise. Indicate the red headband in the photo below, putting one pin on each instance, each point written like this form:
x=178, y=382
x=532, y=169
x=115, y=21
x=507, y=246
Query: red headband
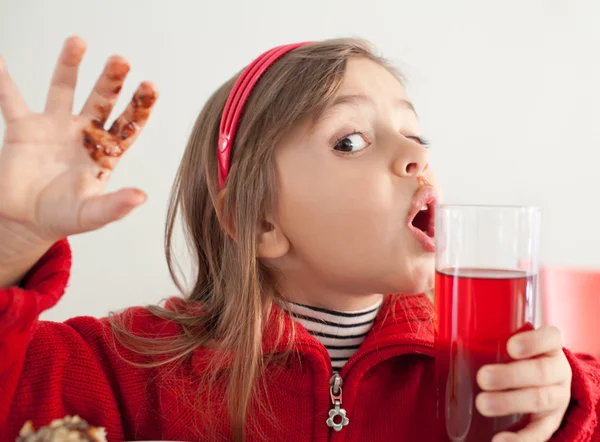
x=237, y=100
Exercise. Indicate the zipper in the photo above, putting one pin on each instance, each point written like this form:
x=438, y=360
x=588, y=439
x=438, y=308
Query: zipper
x=338, y=418
x=337, y=415
x=386, y=350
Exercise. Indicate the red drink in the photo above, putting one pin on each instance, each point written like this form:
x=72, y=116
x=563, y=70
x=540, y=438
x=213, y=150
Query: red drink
x=477, y=310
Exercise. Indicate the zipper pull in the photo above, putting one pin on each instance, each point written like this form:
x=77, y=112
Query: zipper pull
x=335, y=391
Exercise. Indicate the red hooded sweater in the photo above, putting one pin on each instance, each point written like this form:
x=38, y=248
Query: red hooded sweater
x=49, y=370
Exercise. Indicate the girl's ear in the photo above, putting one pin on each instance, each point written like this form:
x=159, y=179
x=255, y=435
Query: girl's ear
x=272, y=243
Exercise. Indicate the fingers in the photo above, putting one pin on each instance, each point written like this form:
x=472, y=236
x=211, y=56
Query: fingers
x=62, y=86
x=106, y=90
x=537, y=431
x=545, y=340
x=103, y=209
x=526, y=400
x=546, y=370
x=106, y=148
x=130, y=123
x=12, y=103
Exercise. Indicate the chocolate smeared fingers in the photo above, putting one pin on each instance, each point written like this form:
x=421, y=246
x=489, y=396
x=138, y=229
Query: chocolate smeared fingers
x=105, y=147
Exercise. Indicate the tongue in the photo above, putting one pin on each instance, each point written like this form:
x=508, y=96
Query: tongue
x=421, y=221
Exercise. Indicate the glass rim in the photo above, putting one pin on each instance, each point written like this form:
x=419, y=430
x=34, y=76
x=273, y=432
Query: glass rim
x=488, y=206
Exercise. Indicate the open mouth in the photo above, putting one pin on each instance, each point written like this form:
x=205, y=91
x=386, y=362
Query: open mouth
x=423, y=220
x=421, y=217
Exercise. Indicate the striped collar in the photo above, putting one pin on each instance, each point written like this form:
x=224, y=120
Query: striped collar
x=341, y=332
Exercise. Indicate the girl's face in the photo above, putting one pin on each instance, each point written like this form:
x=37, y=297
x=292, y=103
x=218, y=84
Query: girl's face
x=346, y=192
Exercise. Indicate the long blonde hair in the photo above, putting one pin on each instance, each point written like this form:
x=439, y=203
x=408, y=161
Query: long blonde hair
x=231, y=286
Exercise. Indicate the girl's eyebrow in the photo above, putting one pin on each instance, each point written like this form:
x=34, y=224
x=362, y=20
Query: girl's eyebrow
x=355, y=99
x=360, y=99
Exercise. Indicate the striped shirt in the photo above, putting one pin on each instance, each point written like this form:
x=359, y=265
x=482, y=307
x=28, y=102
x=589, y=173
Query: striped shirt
x=341, y=333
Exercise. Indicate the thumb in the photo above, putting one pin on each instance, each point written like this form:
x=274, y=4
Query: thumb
x=103, y=209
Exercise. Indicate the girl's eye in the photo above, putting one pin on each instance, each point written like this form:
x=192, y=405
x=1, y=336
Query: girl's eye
x=354, y=142
x=422, y=141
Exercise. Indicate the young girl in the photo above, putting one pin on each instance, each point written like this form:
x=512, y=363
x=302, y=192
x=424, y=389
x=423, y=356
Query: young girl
x=298, y=190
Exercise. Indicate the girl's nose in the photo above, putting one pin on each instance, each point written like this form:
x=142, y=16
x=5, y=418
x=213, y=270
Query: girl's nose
x=412, y=159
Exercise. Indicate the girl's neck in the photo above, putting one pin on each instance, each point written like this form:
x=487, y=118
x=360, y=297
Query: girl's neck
x=338, y=302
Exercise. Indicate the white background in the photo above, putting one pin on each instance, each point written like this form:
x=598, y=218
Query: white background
x=508, y=92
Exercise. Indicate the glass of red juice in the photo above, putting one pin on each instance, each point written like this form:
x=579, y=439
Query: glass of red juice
x=487, y=260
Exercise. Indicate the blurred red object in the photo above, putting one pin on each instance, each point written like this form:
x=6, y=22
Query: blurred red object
x=570, y=300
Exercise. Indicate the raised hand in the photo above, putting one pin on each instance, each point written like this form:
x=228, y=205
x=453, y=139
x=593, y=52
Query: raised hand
x=54, y=166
